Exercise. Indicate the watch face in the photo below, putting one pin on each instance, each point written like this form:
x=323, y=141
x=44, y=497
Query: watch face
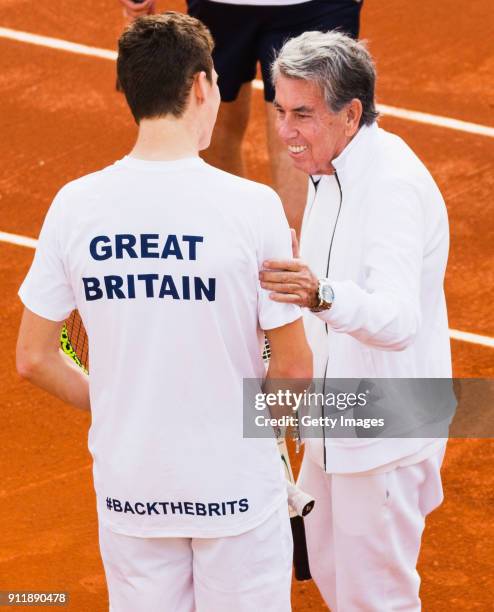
x=327, y=293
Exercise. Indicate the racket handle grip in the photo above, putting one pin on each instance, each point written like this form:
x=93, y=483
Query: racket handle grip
x=299, y=501
x=300, y=555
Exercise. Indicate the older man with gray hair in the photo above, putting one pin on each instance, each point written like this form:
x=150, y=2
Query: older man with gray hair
x=374, y=249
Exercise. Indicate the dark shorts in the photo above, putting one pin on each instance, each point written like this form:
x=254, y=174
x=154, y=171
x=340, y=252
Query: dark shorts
x=245, y=35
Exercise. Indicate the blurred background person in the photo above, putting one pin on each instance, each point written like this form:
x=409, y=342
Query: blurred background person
x=248, y=32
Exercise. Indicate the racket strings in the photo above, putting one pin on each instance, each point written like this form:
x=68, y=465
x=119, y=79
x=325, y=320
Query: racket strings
x=266, y=353
x=78, y=338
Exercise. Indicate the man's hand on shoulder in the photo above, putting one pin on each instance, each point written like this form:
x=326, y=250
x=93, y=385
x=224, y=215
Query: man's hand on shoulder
x=290, y=280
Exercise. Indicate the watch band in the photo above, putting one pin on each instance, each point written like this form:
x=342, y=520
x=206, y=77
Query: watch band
x=323, y=303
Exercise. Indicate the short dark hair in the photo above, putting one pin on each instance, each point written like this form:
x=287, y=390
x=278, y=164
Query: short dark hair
x=158, y=56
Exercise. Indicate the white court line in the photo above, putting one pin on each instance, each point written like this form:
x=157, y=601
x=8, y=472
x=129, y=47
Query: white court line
x=391, y=111
x=56, y=43
x=453, y=333
x=18, y=240
x=456, y=334
x=436, y=120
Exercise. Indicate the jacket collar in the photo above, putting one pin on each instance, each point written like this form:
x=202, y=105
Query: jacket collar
x=357, y=155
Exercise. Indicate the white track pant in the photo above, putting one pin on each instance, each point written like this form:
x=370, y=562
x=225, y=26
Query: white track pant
x=364, y=534
x=250, y=572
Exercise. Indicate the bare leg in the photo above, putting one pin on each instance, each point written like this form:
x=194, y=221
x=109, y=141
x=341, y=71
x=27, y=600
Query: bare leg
x=291, y=184
x=225, y=151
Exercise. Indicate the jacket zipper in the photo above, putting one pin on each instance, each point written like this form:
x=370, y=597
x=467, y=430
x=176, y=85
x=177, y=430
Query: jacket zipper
x=326, y=325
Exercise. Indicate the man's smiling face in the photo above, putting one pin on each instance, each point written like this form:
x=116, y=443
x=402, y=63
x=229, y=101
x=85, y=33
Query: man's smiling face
x=313, y=134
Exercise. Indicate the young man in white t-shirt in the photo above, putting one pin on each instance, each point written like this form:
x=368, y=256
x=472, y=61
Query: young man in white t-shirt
x=160, y=253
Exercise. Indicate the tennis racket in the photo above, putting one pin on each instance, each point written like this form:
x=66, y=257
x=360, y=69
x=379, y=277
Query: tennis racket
x=299, y=503
x=74, y=343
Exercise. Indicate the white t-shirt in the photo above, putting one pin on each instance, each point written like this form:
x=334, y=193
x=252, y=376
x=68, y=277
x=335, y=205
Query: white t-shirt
x=162, y=261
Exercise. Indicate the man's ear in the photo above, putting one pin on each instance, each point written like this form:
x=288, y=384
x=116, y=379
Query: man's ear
x=353, y=116
x=200, y=86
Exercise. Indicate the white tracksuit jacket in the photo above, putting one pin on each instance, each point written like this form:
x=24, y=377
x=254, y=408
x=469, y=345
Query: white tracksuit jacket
x=387, y=262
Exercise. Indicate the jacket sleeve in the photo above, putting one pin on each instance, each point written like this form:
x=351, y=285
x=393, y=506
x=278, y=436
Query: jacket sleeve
x=383, y=311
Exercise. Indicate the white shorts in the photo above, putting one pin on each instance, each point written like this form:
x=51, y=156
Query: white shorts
x=364, y=534
x=250, y=572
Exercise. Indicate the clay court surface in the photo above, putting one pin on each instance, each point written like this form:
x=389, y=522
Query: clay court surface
x=61, y=118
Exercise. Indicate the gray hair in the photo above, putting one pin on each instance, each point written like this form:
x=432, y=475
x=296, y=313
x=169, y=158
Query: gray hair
x=341, y=66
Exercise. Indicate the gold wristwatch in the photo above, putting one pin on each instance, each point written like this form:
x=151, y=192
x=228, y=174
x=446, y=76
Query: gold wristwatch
x=325, y=294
